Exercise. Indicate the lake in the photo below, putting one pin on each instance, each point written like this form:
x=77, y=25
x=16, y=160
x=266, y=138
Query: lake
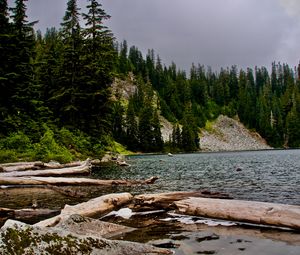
x=267, y=176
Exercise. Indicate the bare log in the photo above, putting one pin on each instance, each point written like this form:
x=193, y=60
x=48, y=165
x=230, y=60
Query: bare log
x=70, y=181
x=37, y=165
x=166, y=200
x=84, y=168
x=280, y=215
x=94, y=207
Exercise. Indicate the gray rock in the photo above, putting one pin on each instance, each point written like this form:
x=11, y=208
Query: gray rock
x=87, y=226
x=20, y=238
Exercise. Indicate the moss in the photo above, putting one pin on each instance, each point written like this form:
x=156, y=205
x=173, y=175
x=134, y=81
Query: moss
x=26, y=242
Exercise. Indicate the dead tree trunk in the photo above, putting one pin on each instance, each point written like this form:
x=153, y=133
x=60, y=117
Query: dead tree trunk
x=37, y=165
x=166, y=200
x=244, y=211
x=70, y=181
x=94, y=207
x=84, y=168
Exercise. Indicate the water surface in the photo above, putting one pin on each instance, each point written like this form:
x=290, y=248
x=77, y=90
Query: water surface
x=268, y=176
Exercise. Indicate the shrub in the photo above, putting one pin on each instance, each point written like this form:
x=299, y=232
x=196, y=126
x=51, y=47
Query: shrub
x=8, y=156
x=16, y=141
x=48, y=149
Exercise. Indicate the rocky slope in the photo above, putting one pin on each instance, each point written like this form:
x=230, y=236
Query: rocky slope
x=227, y=134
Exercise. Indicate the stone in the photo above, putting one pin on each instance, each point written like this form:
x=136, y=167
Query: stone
x=20, y=238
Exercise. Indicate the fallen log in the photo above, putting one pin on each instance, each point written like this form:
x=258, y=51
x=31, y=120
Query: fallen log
x=37, y=165
x=94, y=207
x=84, y=168
x=280, y=215
x=166, y=200
x=70, y=181
x=26, y=215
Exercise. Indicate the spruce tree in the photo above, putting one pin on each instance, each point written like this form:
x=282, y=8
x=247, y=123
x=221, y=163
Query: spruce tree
x=132, y=134
x=158, y=142
x=19, y=74
x=98, y=63
x=5, y=37
x=65, y=100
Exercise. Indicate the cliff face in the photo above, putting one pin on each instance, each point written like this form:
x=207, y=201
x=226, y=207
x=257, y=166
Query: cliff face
x=227, y=134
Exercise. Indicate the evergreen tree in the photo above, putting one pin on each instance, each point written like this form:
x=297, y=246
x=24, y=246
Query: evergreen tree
x=18, y=72
x=158, y=142
x=65, y=100
x=132, y=135
x=145, y=129
x=98, y=59
x=5, y=65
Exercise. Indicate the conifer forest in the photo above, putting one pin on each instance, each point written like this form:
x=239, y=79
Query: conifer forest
x=56, y=99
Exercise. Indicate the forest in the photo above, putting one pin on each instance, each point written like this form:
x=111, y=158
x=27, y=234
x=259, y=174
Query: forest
x=56, y=98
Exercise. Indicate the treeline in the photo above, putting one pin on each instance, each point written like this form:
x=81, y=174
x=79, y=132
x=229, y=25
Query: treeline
x=55, y=87
x=266, y=102
x=56, y=102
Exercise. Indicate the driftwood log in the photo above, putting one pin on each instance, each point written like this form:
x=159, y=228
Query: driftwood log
x=70, y=181
x=280, y=215
x=37, y=165
x=26, y=214
x=166, y=200
x=83, y=168
x=94, y=207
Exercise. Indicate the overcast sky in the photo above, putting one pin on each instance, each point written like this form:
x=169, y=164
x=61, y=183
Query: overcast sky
x=217, y=33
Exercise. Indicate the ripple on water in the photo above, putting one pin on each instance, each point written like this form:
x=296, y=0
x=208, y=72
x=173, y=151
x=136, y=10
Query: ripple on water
x=271, y=176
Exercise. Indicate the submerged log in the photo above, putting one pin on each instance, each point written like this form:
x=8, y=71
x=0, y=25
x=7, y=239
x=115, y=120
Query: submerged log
x=280, y=215
x=70, y=181
x=84, y=168
x=166, y=200
x=26, y=214
x=94, y=207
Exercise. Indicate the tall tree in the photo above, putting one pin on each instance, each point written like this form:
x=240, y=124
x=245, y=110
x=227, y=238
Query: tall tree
x=64, y=99
x=19, y=68
x=4, y=58
x=98, y=62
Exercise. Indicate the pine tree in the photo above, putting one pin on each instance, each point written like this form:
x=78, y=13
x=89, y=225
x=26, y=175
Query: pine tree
x=64, y=99
x=5, y=68
x=132, y=132
x=145, y=129
x=18, y=76
x=98, y=59
x=158, y=142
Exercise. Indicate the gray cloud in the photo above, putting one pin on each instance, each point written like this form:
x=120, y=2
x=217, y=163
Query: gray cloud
x=211, y=32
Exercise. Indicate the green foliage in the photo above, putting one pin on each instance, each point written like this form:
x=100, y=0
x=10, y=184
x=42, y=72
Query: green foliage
x=49, y=149
x=16, y=141
x=8, y=156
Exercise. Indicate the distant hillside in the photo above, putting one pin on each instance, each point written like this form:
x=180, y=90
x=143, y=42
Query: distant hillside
x=223, y=134
x=227, y=134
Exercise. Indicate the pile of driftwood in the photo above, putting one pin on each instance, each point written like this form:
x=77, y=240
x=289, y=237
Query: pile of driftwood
x=54, y=176
x=39, y=173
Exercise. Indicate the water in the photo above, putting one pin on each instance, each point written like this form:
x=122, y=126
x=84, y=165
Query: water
x=267, y=176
